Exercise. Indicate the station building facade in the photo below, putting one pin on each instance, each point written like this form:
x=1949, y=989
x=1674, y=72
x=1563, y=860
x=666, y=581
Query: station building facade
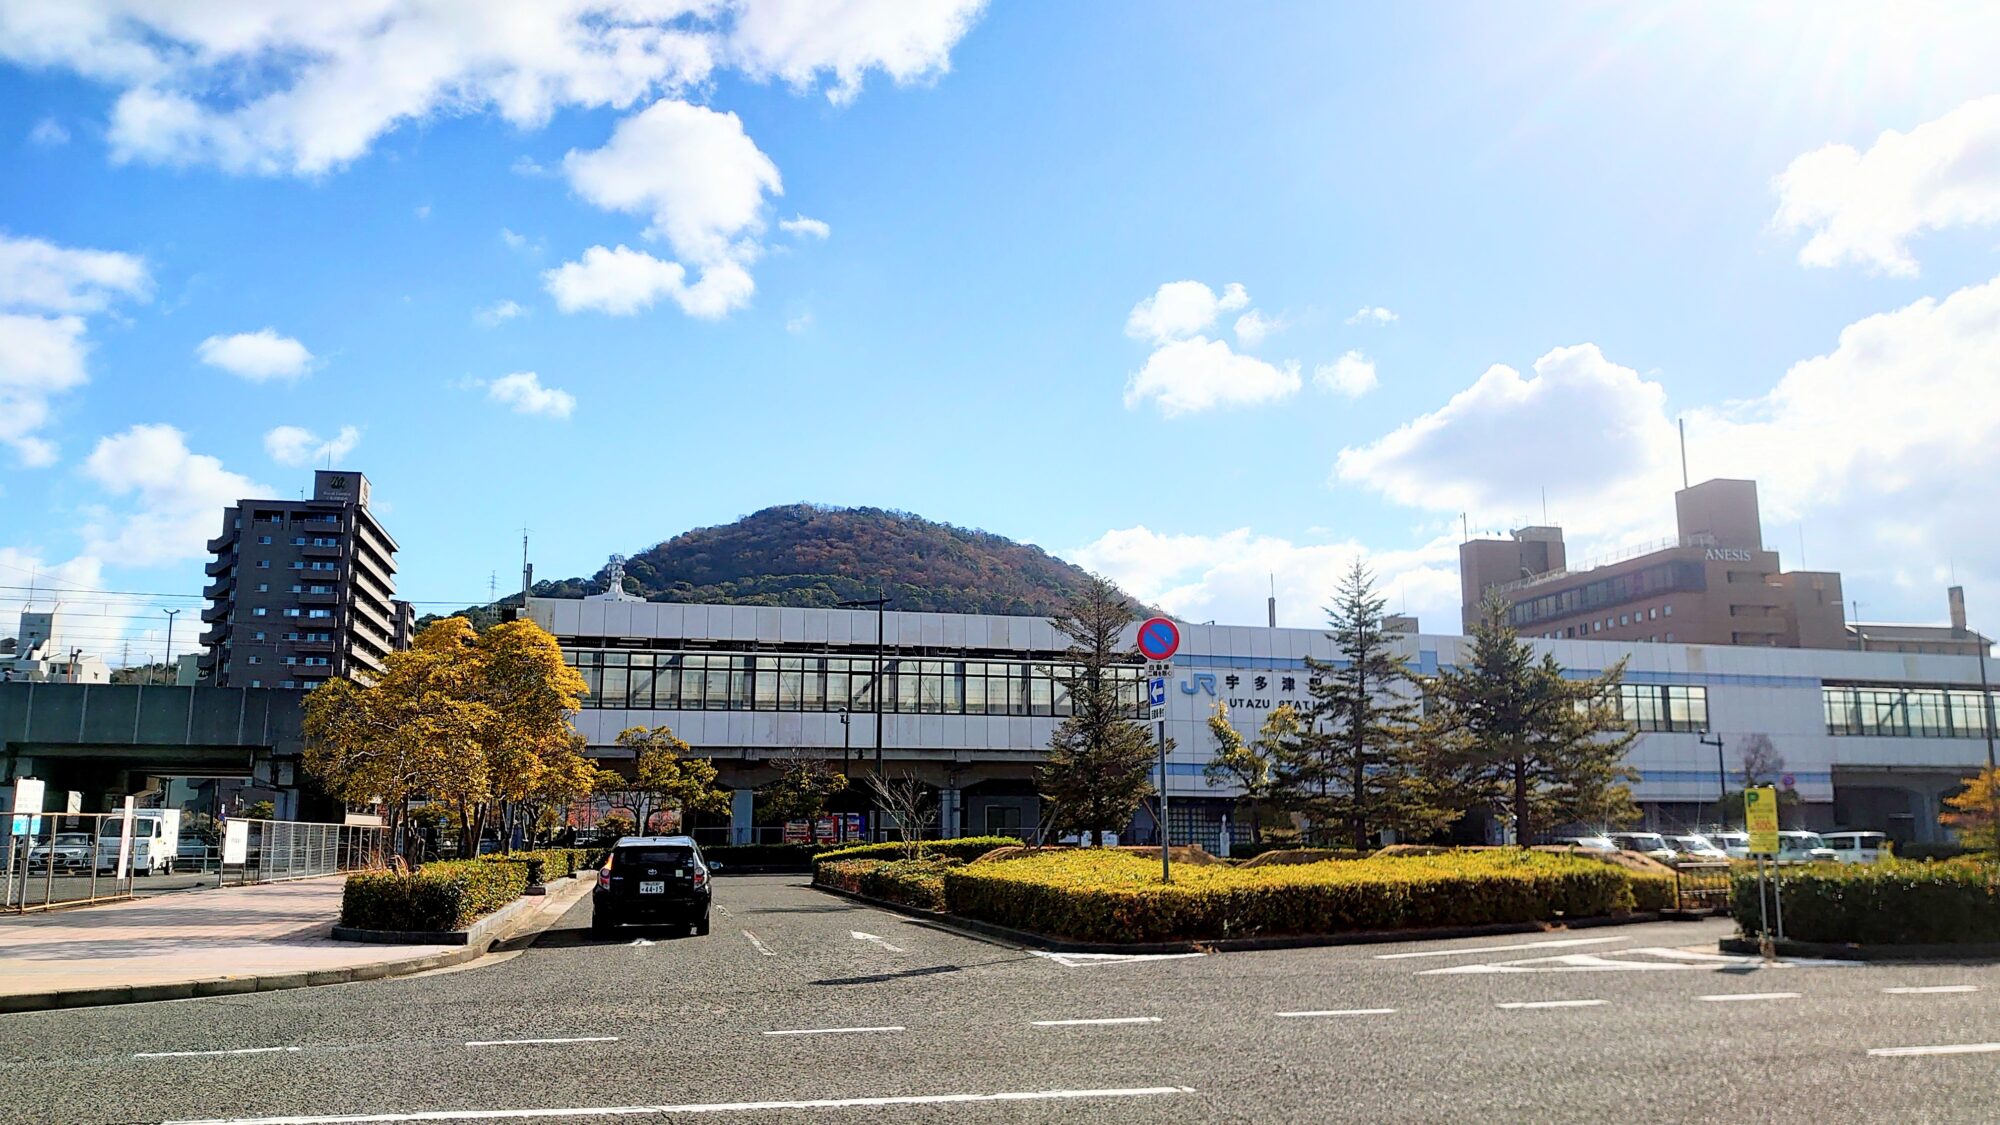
x=1869, y=740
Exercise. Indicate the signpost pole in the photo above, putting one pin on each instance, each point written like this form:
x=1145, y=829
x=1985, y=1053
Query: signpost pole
x=1159, y=638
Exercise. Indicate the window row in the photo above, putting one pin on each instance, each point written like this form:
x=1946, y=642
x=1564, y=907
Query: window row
x=1660, y=578
x=1664, y=707
x=747, y=682
x=1907, y=712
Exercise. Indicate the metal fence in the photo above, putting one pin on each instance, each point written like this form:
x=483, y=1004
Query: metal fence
x=57, y=859
x=63, y=859
x=277, y=850
x=1702, y=886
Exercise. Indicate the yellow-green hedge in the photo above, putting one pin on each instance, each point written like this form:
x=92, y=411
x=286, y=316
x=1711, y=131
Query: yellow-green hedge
x=1092, y=895
x=918, y=882
x=448, y=895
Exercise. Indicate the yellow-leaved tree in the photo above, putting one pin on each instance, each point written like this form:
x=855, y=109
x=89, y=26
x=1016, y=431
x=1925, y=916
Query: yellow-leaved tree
x=664, y=777
x=478, y=722
x=1975, y=814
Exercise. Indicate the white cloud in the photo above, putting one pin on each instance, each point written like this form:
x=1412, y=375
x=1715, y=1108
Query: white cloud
x=423, y=210
x=308, y=88
x=799, y=323
x=513, y=241
x=258, y=356
x=22, y=567
x=48, y=133
x=1192, y=375
x=1580, y=423
x=623, y=281
x=804, y=228
x=1179, y=309
x=43, y=290
x=1253, y=327
x=176, y=497
x=1890, y=438
x=499, y=312
x=1864, y=207
x=700, y=181
x=1352, y=374
x=797, y=40
x=1372, y=315
x=1226, y=577
x=35, y=274
x=297, y=446
x=523, y=391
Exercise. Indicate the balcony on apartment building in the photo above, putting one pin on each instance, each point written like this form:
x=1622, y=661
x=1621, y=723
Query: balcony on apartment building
x=221, y=541
x=216, y=612
x=220, y=588
x=217, y=566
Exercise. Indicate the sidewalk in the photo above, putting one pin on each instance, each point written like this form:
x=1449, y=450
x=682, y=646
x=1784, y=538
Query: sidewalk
x=235, y=939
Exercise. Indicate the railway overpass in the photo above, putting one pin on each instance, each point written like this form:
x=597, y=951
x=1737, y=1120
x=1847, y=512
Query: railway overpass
x=107, y=740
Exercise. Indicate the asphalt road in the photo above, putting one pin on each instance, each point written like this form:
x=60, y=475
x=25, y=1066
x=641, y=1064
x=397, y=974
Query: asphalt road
x=798, y=997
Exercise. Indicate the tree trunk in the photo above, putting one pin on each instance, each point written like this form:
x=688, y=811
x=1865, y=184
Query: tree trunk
x=1521, y=826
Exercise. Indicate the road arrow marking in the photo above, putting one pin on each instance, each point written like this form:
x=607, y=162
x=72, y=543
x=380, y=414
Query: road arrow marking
x=859, y=936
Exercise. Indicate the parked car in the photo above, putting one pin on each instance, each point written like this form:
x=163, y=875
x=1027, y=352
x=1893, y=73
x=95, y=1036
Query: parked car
x=652, y=879
x=1804, y=846
x=1856, y=847
x=1696, y=847
x=69, y=851
x=1592, y=843
x=1649, y=844
x=1736, y=845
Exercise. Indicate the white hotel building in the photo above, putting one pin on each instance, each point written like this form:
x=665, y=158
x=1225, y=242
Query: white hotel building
x=1870, y=740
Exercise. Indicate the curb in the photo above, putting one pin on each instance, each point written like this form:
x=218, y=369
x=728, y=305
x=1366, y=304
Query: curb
x=1970, y=952
x=989, y=932
x=267, y=982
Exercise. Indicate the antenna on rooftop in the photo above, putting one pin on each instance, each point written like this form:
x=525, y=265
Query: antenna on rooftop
x=1272, y=604
x=1684, y=452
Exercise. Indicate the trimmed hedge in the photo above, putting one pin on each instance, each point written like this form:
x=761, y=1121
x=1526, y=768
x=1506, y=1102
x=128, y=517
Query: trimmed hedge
x=1886, y=903
x=963, y=848
x=448, y=895
x=1280, y=857
x=1093, y=895
x=547, y=864
x=918, y=882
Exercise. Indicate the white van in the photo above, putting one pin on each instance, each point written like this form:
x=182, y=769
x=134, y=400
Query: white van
x=1856, y=847
x=156, y=839
x=1736, y=845
x=1799, y=846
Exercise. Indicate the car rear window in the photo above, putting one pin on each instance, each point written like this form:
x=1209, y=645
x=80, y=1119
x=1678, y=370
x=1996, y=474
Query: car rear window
x=655, y=857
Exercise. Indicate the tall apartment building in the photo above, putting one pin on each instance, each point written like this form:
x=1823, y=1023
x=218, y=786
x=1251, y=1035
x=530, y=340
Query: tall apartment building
x=303, y=590
x=1714, y=583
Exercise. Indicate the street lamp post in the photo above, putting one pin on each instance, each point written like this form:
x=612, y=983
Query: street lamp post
x=875, y=689
x=846, y=764
x=1721, y=780
x=171, y=614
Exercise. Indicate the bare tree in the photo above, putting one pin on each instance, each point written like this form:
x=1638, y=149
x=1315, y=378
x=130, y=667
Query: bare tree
x=912, y=805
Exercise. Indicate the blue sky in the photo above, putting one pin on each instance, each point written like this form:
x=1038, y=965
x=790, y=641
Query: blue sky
x=1637, y=217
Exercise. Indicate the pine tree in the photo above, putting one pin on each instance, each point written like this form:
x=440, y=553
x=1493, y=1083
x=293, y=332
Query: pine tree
x=1245, y=764
x=1522, y=736
x=1100, y=760
x=1358, y=762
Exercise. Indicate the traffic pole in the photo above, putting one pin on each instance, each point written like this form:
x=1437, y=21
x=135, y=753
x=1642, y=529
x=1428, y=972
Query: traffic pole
x=1166, y=868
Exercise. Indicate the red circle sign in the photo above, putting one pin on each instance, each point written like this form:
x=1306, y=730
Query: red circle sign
x=1159, y=638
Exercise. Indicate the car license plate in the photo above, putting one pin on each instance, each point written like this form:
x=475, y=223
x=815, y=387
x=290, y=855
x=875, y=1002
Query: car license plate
x=653, y=888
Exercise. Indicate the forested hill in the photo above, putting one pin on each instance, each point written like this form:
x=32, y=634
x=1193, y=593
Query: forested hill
x=809, y=555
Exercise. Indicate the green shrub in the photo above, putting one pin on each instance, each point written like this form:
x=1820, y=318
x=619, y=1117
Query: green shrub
x=1930, y=851
x=1894, y=902
x=766, y=855
x=961, y=848
x=1094, y=895
x=912, y=882
x=449, y=895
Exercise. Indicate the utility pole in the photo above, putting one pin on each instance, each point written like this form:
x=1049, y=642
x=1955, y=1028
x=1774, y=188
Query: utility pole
x=1721, y=780
x=879, y=604
x=1992, y=772
x=171, y=614
x=527, y=575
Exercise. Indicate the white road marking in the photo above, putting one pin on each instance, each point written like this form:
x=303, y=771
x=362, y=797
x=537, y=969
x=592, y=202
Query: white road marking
x=1641, y=960
x=859, y=936
x=1726, y=997
x=1078, y=960
x=1952, y=1049
x=1096, y=1022
x=698, y=1107
x=835, y=1030
x=1932, y=990
x=207, y=1053
x=761, y=947
x=641, y=941
x=1498, y=948
x=525, y=1042
x=1521, y=1004
x=1335, y=1012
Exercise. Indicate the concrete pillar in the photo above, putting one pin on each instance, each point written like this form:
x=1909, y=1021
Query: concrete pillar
x=950, y=813
x=741, y=801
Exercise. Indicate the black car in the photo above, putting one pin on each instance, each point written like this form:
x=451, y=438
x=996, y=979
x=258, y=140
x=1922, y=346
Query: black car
x=659, y=880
